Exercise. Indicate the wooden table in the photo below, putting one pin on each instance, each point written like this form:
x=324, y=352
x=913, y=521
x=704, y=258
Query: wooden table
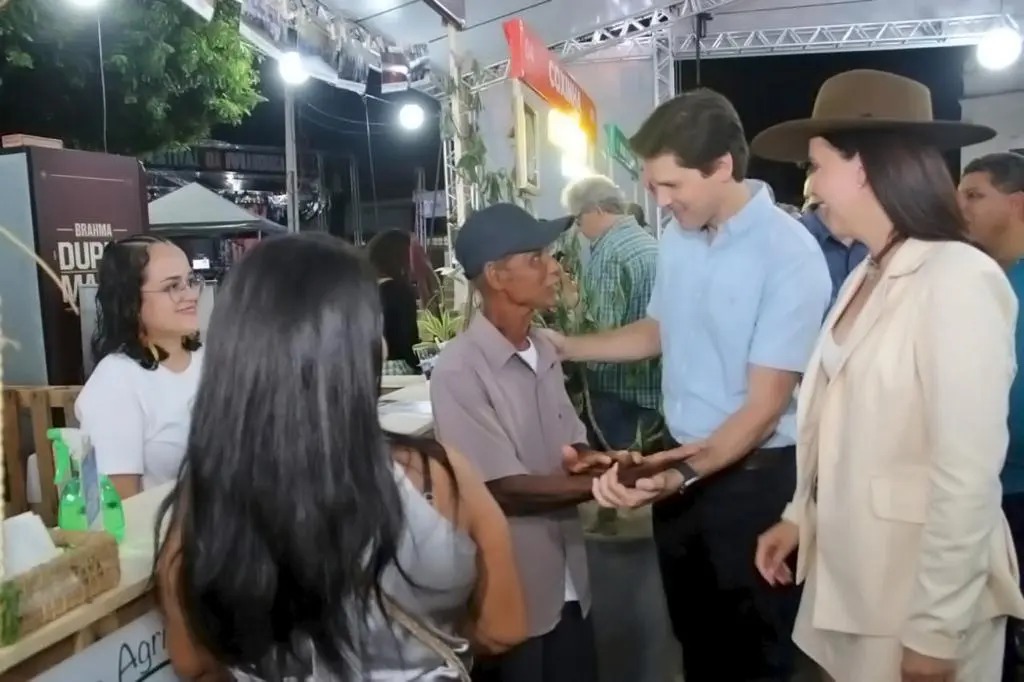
x=394, y=382
x=107, y=616
x=73, y=632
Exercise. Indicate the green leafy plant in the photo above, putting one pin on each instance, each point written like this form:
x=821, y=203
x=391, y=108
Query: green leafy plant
x=171, y=76
x=439, y=326
x=486, y=185
x=10, y=613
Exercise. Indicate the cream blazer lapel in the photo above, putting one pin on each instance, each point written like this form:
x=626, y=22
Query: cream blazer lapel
x=815, y=386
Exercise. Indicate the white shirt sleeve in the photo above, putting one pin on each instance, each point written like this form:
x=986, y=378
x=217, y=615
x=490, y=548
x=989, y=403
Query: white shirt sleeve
x=110, y=412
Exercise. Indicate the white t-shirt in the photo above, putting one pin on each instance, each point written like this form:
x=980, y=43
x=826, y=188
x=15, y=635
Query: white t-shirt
x=138, y=419
x=529, y=356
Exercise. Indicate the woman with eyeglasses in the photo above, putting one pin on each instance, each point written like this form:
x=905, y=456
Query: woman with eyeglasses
x=136, y=406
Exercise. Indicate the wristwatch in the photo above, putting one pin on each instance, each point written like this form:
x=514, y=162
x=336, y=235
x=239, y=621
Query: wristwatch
x=690, y=476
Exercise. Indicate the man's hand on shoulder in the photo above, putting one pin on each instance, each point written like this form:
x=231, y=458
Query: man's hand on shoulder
x=559, y=340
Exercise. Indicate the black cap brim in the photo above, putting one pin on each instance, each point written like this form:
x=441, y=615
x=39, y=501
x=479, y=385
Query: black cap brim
x=549, y=231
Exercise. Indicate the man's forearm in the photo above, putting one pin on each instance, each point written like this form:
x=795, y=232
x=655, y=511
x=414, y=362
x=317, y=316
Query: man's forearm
x=742, y=432
x=637, y=341
x=525, y=495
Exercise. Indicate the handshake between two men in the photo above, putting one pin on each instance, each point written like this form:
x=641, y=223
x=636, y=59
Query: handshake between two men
x=627, y=479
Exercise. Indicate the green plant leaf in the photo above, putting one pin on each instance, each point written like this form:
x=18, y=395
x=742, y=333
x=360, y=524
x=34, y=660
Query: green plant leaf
x=171, y=76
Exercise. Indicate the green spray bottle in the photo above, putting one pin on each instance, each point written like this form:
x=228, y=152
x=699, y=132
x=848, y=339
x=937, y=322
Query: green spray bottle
x=89, y=494
x=71, y=514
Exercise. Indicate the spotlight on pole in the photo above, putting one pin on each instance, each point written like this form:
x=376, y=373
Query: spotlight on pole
x=293, y=71
x=999, y=48
x=411, y=116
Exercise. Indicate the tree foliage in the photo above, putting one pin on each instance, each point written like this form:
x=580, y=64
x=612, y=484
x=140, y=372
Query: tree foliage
x=170, y=75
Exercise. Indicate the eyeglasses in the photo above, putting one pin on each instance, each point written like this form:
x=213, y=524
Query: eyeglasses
x=177, y=289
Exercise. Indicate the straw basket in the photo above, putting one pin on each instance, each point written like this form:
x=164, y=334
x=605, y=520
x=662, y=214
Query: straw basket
x=88, y=565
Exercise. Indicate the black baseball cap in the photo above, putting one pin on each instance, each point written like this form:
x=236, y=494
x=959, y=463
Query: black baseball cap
x=502, y=230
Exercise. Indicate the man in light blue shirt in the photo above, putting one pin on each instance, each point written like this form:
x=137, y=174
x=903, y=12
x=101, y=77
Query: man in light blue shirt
x=740, y=292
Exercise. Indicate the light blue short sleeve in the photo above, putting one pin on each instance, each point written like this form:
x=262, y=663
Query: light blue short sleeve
x=793, y=305
x=655, y=306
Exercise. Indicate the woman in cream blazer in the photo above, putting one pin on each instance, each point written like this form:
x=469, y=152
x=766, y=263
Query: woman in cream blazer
x=904, y=550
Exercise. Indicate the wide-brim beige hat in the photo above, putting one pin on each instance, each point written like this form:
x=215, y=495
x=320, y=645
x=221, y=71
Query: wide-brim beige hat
x=864, y=99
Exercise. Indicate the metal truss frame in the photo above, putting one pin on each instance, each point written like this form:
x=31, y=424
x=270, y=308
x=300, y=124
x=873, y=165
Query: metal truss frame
x=862, y=36
x=886, y=35
x=644, y=24
x=635, y=38
x=664, y=64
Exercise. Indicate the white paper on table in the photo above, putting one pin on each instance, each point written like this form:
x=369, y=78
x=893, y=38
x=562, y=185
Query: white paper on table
x=27, y=544
x=414, y=407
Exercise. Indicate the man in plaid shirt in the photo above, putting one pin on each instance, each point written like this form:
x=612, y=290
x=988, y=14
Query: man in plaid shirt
x=615, y=288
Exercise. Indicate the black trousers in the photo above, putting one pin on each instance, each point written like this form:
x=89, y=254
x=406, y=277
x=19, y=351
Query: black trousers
x=733, y=627
x=566, y=654
x=1013, y=662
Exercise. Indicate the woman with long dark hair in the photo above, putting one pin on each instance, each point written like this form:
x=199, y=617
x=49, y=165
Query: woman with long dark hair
x=136, y=405
x=902, y=412
x=304, y=542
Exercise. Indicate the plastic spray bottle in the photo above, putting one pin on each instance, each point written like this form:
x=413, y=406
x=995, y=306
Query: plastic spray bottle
x=86, y=498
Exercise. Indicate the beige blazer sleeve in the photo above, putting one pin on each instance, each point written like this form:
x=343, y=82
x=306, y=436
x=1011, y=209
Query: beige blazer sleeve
x=966, y=362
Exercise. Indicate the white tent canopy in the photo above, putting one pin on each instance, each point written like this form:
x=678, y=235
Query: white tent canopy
x=193, y=208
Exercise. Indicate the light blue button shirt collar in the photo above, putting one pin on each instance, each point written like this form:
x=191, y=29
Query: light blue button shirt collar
x=755, y=294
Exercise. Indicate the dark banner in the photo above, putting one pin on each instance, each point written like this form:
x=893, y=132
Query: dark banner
x=81, y=200
x=266, y=22
x=404, y=67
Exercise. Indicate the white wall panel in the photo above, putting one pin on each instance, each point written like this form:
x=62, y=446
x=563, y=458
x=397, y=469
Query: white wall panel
x=496, y=127
x=996, y=99
x=623, y=93
x=1003, y=112
x=979, y=82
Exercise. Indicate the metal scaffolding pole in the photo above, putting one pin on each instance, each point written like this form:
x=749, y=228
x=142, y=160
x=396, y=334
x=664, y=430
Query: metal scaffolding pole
x=355, y=201
x=457, y=193
x=664, y=90
x=291, y=160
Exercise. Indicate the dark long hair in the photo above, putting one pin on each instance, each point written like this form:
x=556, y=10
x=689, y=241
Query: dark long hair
x=389, y=253
x=911, y=181
x=396, y=255
x=286, y=503
x=121, y=274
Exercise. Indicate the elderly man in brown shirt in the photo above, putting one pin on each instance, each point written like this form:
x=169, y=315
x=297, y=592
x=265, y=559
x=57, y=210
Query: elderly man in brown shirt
x=499, y=397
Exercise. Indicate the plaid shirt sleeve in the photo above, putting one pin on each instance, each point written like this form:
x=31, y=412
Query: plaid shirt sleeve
x=620, y=280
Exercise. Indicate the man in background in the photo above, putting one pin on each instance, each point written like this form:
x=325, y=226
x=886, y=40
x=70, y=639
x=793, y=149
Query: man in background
x=616, y=287
x=992, y=199
x=841, y=255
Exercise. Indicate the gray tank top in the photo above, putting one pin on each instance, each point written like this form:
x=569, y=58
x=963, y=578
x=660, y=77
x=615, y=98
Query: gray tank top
x=439, y=565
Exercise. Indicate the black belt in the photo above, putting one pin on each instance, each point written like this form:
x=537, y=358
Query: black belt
x=766, y=457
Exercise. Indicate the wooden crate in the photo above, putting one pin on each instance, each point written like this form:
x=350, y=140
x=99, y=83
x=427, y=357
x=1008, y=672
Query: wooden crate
x=46, y=407
x=87, y=566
